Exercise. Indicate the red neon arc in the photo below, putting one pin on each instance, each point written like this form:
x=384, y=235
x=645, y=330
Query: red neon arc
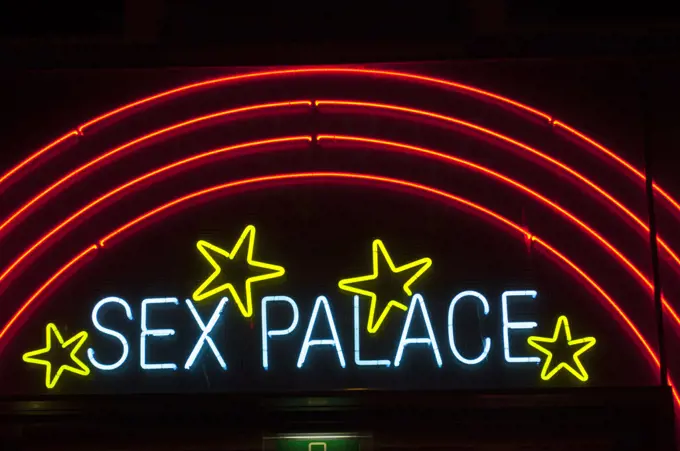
x=7, y=175
x=281, y=73
x=45, y=286
x=349, y=71
x=446, y=158
x=639, y=174
x=321, y=176
x=22, y=211
x=35, y=246
x=536, y=195
x=552, y=161
x=319, y=70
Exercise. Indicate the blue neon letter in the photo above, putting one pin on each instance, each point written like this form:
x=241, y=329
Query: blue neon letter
x=275, y=333
x=452, y=343
x=332, y=342
x=357, y=344
x=417, y=299
x=205, y=330
x=107, y=331
x=507, y=325
x=154, y=333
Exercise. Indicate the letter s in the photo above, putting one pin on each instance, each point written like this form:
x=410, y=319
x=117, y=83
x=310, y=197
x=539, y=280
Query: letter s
x=111, y=332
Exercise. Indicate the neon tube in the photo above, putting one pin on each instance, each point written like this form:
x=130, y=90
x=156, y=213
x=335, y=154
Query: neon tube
x=312, y=71
x=368, y=105
x=281, y=73
x=110, y=333
x=639, y=174
x=347, y=71
x=486, y=131
x=17, y=261
x=486, y=341
x=340, y=176
x=25, y=162
x=146, y=332
x=101, y=160
x=70, y=264
x=513, y=142
x=513, y=325
x=412, y=149
x=374, y=72
x=396, y=182
x=205, y=334
x=267, y=333
x=562, y=258
x=507, y=180
x=431, y=341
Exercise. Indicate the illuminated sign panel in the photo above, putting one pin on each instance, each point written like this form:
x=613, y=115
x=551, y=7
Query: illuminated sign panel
x=317, y=250
x=241, y=323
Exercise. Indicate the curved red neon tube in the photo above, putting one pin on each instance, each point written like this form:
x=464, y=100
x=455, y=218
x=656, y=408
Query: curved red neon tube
x=536, y=195
x=282, y=73
x=639, y=174
x=17, y=261
x=446, y=158
x=25, y=162
x=319, y=70
x=25, y=208
x=356, y=177
x=561, y=166
x=355, y=71
x=70, y=264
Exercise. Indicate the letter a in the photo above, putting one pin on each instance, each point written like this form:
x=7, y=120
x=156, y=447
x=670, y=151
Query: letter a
x=417, y=299
x=324, y=342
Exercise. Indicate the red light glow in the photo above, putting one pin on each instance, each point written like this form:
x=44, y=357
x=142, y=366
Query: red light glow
x=396, y=182
x=35, y=155
x=348, y=71
x=561, y=166
x=46, y=285
x=413, y=149
x=318, y=70
x=35, y=246
x=639, y=174
x=102, y=159
x=321, y=176
x=280, y=73
x=554, y=206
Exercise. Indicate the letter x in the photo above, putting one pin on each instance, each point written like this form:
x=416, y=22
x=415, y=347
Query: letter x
x=204, y=335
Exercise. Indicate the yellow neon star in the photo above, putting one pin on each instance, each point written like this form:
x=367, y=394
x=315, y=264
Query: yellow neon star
x=204, y=292
x=379, y=248
x=78, y=339
x=586, y=343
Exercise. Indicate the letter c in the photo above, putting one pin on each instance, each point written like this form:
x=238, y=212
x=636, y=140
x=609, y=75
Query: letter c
x=452, y=343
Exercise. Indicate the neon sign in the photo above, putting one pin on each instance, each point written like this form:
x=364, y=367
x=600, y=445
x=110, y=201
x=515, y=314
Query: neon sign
x=350, y=285
x=583, y=345
x=322, y=332
x=74, y=343
x=204, y=291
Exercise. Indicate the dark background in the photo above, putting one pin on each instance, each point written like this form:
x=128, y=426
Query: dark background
x=609, y=71
x=640, y=40
x=152, y=32
x=574, y=59
x=478, y=260
x=321, y=234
